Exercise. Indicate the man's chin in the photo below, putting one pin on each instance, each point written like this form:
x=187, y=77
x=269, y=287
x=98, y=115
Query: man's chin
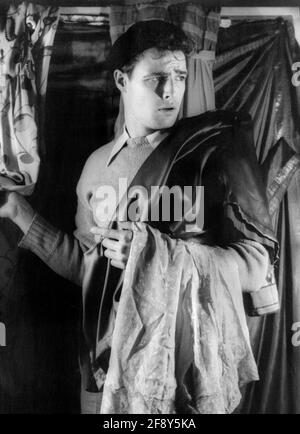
x=162, y=124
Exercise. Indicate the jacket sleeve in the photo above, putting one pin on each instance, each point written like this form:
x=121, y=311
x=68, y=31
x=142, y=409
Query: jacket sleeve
x=245, y=204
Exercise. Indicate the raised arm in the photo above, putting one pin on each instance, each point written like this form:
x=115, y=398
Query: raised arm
x=62, y=252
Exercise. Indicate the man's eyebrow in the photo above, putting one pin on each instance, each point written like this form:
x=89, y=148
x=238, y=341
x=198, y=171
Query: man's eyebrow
x=156, y=74
x=180, y=71
x=165, y=74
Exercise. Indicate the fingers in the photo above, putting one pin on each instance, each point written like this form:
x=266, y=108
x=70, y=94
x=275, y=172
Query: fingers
x=118, y=246
x=116, y=257
x=117, y=243
x=115, y=234
x=118, y=264
x=125, y=225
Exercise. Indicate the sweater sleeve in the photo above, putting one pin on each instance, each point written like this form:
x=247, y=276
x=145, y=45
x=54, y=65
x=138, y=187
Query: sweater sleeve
x=62, y=252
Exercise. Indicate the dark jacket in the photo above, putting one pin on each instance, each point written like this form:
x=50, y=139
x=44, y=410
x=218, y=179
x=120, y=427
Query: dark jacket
x=214, y=150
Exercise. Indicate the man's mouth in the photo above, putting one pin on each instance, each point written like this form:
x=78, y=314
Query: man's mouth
x=166, y=109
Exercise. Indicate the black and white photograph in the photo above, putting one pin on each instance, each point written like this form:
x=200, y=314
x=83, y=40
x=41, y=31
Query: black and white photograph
x=149, y=210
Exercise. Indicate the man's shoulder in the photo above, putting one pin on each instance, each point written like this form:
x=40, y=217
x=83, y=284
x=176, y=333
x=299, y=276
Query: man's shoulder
x=95, y=164
x=215, y=119
x=99, y=156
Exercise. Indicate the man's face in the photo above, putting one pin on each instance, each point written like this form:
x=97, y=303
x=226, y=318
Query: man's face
x=154, y=91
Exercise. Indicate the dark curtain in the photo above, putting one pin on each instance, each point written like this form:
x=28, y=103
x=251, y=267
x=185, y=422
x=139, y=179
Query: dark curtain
x=253, y=73
x=81, y=108
x=33, y=344
x=39, y=371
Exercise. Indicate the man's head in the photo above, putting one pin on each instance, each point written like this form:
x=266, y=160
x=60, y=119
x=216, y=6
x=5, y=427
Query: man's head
x=149, y=64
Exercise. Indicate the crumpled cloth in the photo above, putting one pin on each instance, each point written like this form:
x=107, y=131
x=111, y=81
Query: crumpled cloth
x=180, y=343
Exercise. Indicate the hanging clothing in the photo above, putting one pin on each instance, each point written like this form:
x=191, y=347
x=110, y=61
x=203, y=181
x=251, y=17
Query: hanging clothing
x=204, y=151
x=26, y=41
x=180, y=341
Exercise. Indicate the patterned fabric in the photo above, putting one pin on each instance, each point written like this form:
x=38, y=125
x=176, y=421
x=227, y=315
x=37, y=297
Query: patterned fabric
x=280, y=184
x=199, y=23
x=98, y=18
x=123, y=16
x=134, y=142
x=26, y=38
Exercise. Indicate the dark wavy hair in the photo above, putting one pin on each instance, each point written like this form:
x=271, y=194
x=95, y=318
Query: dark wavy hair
x=130, y=46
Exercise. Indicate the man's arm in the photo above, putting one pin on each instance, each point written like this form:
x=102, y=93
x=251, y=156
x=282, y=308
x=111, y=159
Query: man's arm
x=60, y=251
x=17, y=209
x=63, y=252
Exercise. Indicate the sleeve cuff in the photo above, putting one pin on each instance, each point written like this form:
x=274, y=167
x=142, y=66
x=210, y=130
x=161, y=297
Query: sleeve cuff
x=41, y=238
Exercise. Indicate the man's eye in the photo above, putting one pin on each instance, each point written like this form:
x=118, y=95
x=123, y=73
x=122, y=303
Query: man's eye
x=152, y=79
x=181, y=77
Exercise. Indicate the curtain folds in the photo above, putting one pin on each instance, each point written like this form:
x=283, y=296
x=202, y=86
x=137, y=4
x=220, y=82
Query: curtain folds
x=26, y=34
x=200, y=24
x=253, y=72
x=26, y=37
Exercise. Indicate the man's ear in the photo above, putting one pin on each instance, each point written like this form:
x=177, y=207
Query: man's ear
x=120, y=80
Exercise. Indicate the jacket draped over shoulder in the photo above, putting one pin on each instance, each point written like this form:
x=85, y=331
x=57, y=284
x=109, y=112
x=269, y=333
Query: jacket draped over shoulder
x=214, y=150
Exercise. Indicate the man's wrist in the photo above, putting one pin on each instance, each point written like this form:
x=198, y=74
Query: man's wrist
x=24, y=216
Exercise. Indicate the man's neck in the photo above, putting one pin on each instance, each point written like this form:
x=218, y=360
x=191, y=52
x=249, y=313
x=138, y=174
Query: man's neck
x=136, y=130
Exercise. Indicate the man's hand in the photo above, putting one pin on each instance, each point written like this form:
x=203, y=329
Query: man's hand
x=16, y=208
x=117, y=243
x=8, y=207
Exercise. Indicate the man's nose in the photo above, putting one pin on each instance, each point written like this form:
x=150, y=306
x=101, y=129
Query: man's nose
x=168, y=89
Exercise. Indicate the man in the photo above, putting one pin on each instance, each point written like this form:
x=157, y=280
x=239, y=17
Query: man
x=149, y=67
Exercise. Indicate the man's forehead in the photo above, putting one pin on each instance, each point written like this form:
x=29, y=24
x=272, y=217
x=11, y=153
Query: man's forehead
x=163, y=60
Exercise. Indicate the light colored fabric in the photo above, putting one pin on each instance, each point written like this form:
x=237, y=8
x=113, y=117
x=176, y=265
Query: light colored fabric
x=180, y=315
x=26, y=36
x=106, y=167
x=153, y=140
x=199, y=23
x=25, y=48
x=200, y=92
x=278, y=187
